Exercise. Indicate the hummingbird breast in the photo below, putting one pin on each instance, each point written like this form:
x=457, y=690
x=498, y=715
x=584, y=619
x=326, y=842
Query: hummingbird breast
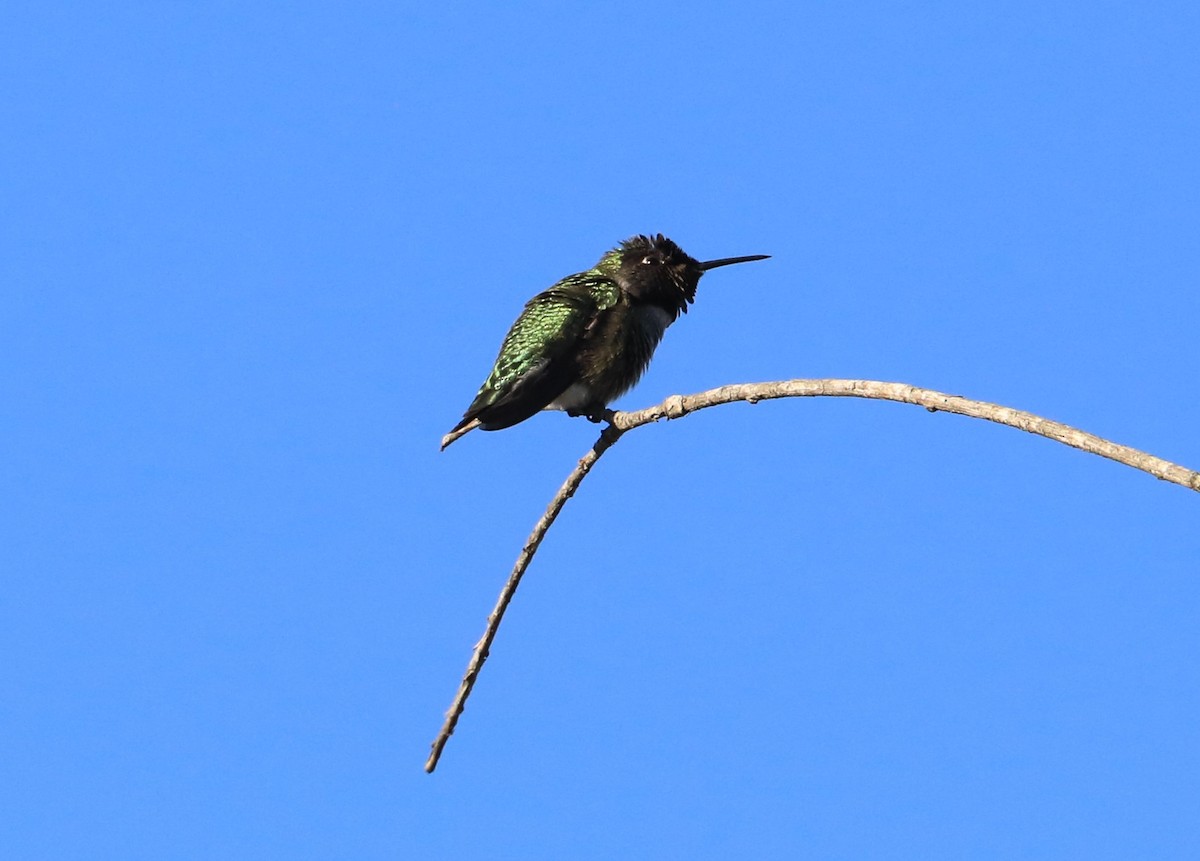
x=619, y=349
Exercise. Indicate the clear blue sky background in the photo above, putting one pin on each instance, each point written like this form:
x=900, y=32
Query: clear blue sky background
x=257, y=259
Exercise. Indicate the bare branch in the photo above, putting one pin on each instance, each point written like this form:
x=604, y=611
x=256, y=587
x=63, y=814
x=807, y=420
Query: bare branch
x=609, y=436
x=678, y=406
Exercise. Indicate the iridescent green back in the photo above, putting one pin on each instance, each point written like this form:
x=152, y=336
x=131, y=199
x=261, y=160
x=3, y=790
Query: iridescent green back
x=547, y=334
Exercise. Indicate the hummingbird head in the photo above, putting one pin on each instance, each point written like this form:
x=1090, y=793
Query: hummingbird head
x=654, y=270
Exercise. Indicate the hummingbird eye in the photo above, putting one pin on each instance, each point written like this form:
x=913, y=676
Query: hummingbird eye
x=649, y=260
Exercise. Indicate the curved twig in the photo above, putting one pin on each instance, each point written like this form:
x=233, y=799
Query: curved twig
x=609, y=436
x=678, y=406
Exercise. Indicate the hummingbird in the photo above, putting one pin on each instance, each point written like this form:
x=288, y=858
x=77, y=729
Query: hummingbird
x=588, y=339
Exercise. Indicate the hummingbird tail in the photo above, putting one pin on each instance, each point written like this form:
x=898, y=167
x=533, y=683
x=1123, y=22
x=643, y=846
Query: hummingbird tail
x=462, y=429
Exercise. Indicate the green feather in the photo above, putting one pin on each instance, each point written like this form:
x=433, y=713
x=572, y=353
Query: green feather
x=550, y=328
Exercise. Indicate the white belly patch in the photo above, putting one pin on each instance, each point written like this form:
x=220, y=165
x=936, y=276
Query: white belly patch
x=576, y=396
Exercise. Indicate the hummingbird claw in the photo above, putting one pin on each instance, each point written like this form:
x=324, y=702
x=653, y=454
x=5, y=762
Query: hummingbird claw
x=601, y=415
x=596, y=415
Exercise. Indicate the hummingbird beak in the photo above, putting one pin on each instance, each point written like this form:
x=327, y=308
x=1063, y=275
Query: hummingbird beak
x=727, y=261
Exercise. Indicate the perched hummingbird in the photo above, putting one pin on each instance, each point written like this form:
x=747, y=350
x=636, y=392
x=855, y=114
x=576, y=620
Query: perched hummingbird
x=585, y=342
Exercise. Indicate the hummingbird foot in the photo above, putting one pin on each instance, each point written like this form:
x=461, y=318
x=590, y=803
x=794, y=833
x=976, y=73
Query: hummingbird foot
x=601, y=415
x=596, y=415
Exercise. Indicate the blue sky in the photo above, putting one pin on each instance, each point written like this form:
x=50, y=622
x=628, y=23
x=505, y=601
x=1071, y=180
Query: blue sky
x=257, y=259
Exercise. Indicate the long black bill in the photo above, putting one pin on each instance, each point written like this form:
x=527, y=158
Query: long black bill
x=726, y=261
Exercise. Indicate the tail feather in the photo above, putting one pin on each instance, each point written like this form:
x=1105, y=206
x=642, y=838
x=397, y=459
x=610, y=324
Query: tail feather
x=461, y=429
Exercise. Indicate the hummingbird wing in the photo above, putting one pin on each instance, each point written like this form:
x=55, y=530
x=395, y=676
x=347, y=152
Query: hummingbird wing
x=537, y=360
